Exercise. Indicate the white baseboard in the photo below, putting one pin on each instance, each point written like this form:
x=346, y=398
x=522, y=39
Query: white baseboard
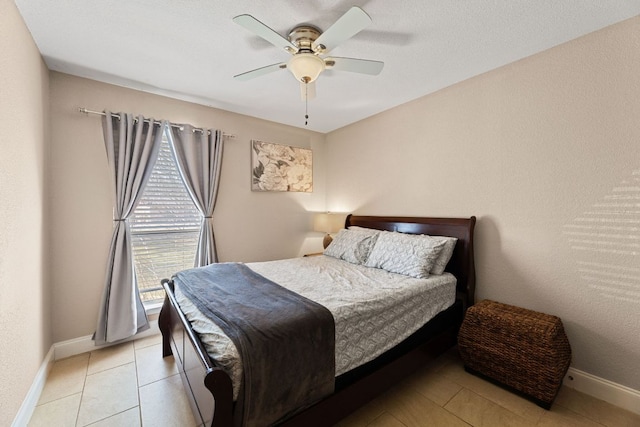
x=616, y=394
x=33, y=395
x=60, y=350
x=84, y=344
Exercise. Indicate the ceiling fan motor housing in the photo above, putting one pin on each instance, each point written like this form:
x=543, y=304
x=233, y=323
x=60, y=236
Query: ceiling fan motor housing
x=303, y=37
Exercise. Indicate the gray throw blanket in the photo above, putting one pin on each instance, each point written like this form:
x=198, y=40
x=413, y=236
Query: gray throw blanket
x=285, y=340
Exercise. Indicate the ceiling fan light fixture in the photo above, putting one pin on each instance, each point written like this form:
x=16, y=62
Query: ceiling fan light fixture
x=306, y=67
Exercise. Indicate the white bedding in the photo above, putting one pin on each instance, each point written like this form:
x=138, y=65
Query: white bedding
x=373, y=309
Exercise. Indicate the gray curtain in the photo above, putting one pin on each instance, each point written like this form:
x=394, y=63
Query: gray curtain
x=199, y=158
x=132, y=149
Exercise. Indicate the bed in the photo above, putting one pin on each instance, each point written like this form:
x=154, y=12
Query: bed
x=209, y=384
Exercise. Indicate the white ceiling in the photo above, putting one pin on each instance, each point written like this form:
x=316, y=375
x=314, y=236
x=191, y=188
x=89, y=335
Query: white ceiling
x=190, y=49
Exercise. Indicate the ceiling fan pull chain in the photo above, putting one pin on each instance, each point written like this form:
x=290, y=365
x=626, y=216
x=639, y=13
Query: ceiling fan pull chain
x=306, y=103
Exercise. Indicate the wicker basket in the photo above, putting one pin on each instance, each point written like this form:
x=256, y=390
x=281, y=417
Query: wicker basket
x=525, y=350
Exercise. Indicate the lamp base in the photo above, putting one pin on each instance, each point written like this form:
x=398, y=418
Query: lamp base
x=327, y=239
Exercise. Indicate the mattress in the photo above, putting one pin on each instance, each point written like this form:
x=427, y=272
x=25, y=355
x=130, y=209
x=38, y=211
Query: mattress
x=373, y=309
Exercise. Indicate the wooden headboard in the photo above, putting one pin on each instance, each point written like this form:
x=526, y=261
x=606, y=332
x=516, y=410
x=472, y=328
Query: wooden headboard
x=461, y=265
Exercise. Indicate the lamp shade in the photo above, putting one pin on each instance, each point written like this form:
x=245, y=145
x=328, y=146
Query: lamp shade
x=328, y=223
x=306, y=67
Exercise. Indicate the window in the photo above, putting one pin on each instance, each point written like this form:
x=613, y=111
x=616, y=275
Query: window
x=164, y=227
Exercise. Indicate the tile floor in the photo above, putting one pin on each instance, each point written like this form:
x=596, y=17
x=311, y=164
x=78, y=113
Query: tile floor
x=132, y=385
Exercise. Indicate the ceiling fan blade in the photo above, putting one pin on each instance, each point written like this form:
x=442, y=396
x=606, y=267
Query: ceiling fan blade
x=347, y=26
x=307, y=90
x=364, y=66
x=260, y=71
x=258, y=28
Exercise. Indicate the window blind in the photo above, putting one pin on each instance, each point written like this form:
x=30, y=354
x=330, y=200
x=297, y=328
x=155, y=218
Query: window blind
x=164, y=227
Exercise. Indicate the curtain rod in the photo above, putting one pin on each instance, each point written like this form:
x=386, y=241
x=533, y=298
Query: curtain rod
x=100, y=113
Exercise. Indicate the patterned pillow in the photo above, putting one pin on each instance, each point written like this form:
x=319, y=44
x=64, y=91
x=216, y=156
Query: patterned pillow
x=409, y=254
x=371, y=231
x=445, y=255
x=353, y=246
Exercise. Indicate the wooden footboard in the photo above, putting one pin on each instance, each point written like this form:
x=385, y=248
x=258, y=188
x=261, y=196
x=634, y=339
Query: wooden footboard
x=208, y=387
x=210, y=390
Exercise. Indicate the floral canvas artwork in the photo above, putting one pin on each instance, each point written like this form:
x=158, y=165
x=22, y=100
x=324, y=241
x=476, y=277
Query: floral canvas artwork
x=278, y=167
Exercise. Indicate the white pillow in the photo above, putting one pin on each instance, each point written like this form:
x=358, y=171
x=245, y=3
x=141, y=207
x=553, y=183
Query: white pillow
x=445, y=254
x=409, y=254
x=353, y=246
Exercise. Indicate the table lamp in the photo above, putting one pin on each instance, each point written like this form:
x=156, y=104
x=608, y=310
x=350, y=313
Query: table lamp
x=328, y=223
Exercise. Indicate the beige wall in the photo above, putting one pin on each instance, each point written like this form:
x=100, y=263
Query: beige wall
x=25, y=334
x=541, y=151
x=249, y=226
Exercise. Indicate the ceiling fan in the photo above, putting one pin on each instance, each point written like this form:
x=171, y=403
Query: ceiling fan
x=307, y=45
